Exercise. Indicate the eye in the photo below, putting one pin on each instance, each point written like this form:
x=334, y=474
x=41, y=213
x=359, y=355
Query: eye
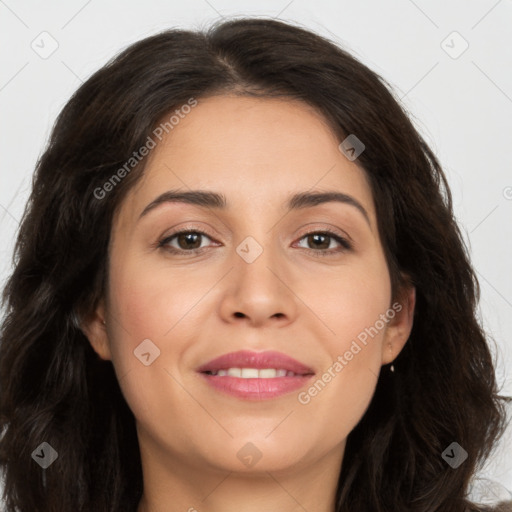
x=321, y=240
x=188, y=241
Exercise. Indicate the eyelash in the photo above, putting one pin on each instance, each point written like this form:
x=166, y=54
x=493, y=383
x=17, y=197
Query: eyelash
x=345, y=245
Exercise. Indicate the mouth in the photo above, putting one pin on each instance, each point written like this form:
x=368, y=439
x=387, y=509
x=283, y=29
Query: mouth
x=255, y=375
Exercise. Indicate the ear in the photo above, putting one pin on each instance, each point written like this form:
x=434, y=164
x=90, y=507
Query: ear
x=94, y=327
x=400, y=326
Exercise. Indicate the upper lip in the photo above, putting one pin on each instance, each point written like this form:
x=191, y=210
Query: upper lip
x=259, y=360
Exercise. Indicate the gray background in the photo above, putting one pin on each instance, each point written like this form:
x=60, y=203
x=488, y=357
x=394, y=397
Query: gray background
x=460, y=99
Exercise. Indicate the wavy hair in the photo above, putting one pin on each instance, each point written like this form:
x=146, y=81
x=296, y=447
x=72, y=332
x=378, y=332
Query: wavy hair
x=55, y=389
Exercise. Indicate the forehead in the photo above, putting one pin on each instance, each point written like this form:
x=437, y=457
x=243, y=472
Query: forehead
x=255, y=151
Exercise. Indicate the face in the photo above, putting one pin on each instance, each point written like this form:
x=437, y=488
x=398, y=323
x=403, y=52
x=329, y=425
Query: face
x=258, y=274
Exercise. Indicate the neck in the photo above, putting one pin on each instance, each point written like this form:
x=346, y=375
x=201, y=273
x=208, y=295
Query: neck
x=177, y=485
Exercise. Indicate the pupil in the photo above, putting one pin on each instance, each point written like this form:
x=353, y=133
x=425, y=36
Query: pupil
x=187, y=237
x=316, y=237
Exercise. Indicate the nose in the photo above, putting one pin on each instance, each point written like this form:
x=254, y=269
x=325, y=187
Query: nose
x=258, y=292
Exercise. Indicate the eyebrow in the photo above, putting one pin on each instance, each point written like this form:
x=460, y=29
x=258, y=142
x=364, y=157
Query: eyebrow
x=218, y=201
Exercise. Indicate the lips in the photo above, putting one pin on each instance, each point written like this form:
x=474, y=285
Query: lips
x=257, y=360
x=255, y=375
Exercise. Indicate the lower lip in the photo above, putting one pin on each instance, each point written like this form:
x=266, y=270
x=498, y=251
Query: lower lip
x=256, y=389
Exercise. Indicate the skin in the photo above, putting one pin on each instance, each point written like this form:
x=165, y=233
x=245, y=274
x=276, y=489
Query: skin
x=256, y=152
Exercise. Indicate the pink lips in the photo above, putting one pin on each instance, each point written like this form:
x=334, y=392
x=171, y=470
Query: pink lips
x=256, y=388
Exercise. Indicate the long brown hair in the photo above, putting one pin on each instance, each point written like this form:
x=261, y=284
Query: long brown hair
x=55, y=389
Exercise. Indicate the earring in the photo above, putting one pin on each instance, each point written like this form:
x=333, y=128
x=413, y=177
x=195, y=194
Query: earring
x=392, y=367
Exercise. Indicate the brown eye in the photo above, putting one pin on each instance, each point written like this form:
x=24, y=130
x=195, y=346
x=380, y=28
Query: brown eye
x=319, y=242
x=187, y=241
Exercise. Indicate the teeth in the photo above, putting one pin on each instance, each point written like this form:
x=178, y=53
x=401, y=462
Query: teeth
x=254, y=373
x=234, y=372
x=250, y=373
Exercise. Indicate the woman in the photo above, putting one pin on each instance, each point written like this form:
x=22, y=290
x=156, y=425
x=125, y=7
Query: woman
x=315, y=348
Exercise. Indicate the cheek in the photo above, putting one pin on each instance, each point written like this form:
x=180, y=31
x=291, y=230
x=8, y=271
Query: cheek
x=341, y=392
x=150, y=302
x=355, y=309
x=153, y=318
x=351, y=304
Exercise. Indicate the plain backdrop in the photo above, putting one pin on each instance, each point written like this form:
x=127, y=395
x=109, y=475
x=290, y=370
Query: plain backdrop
x=449, y=63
